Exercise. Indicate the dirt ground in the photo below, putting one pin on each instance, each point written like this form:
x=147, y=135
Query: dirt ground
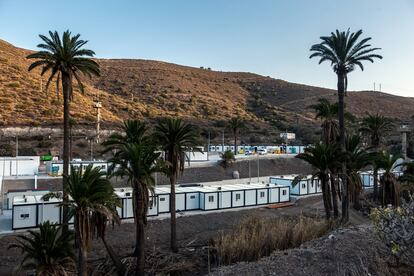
x=194, y=232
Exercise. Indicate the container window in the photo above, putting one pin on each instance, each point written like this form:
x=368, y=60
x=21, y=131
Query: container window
x=303, y=185
x=238, y=197
x=210, y=198
x=284, y=192
x=162, y=198
x=192, y=197
x=262, y=194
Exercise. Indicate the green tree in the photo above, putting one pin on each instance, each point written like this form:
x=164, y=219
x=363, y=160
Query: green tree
x=65, y=59
x=344, y=51
x=390, y=187
x=227, y=158
x=48, y=251
x=322, y=157
x=357, y=159
x=235, y=124
x=91, y=193
x=175, y=139
x=135, y=157
x=376, y=127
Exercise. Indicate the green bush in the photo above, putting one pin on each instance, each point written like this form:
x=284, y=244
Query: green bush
x=395, y=227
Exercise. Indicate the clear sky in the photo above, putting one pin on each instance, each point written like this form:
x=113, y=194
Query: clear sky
x=268, y=37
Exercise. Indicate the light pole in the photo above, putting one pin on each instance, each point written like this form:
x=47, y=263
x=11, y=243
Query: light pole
x=17, y=154
x=258, y=166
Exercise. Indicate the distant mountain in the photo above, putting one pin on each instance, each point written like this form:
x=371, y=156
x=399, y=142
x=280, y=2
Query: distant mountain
x=152, y=89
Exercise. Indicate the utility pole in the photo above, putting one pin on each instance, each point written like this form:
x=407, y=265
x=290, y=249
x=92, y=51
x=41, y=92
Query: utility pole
x=374, y=86
x=17, y=154
x=98, y=106
x=222, y=142
x=380, y=87
x=258, y=166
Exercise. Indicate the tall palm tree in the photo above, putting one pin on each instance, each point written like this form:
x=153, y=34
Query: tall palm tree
x=48, y=251
x=322, y=157
x=65, y=59
x=175, y=139
x=137, y=161
x=376, y=127
x=235, y=124
x=344, y=52
x=390, y=187
x=90, y=192
x=357, y=159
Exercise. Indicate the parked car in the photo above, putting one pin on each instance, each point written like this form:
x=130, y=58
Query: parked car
x=248, y=152
x=262, y=151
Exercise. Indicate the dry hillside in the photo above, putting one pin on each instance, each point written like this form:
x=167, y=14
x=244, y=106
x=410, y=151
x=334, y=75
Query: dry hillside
x=153, y=89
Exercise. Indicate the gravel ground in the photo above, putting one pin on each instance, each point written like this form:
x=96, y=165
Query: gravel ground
x=351, y=251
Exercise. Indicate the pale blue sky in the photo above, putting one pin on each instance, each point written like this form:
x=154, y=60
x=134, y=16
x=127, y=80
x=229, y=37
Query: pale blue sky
x=267, y=37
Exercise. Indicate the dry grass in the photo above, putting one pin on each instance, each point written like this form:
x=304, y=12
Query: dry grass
x=258, y=237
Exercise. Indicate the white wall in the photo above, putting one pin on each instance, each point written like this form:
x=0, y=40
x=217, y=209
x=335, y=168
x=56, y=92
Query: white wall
x=21, y=165
x=193, y=201
x=284, y=194
x=262, y=200
x=238, y=201
x=274, y=195
x=224, y=199
x=163, y=203
x=250, y=197
x=209, y=205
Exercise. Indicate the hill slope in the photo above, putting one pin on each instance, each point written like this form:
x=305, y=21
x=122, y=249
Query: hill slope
x=153, y=89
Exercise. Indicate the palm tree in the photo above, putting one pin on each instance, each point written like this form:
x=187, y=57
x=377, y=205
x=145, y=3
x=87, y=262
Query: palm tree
x=357, y=159
x=137, y=161
x=390, y=187
x=235, y=124
x=344, y=52
x=91, y=193
x=175, y=139
x=376, y=128
x=322, y=157
x=65, y=59
x=100, y=222
x=328, y=113
x=48, y=251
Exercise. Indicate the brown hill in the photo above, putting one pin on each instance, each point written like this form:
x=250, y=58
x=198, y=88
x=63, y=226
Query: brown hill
x=152, y=89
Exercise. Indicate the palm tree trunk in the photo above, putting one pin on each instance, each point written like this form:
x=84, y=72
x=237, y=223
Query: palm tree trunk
x=375, y=175
x=67, y=87
x=235, y=144
x=324, y=196
x=345, y=196
x=82, y=250
x=334, y=197
x=173, y=220
x=139, y=231
x=115, y=259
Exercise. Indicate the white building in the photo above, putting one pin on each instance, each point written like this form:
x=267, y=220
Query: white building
x=306, y=186
x=55, y=168
x=20, y=165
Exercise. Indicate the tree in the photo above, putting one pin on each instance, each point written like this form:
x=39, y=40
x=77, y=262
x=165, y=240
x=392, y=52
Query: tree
x=357, y=159
x=328, y=113
x=376, y=128
x=91, y=193
x=48, y=251
x=390, y=187
x=175, y=139
x=136, y=158
x=322, y=157
x=235, y=124
x=227, y=158
x=345, y=52
x=65, y=59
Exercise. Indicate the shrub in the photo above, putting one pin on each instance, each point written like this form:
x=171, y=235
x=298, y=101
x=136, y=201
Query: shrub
x=258, y=237
x=395, y=227
x=227, y=158
x=6, y=150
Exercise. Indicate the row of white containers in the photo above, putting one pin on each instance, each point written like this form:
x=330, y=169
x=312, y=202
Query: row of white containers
x=29, y=209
